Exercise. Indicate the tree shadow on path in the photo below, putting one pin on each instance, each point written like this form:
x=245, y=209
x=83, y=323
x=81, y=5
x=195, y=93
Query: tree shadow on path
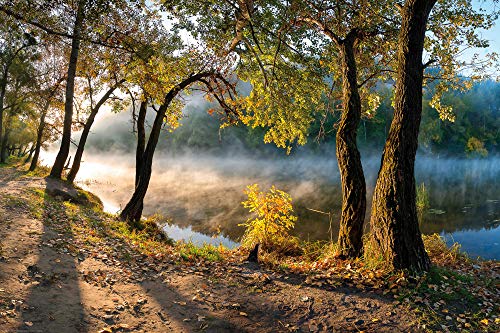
x=54, y=302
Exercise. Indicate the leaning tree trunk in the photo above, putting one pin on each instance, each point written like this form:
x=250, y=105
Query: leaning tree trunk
x=63, y=153
x=348, y=157
x=133, y=210
x=39, y=138
x=394, y=221
x=30, y=155
x=85, y=134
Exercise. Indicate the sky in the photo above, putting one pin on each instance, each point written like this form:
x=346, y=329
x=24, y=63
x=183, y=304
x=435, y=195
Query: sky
x=492, y=35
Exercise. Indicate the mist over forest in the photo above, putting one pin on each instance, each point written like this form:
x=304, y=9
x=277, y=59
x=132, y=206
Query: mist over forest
x=473, y=134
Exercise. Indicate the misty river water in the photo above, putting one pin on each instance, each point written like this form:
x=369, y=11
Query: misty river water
x=201, y=195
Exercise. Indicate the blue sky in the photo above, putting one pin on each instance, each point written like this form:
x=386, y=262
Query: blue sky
x=492, y=35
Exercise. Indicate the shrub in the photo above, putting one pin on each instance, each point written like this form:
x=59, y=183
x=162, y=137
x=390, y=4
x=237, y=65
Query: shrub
x=274, y=218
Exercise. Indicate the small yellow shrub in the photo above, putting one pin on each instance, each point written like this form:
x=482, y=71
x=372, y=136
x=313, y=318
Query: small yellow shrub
x=274, y=218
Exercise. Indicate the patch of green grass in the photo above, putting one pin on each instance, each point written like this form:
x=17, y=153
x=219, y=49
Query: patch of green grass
x=448, y=285
x=190, y=252
x=93, y=200
x=40, y=171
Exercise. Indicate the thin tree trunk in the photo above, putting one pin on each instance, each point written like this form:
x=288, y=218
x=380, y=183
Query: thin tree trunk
x=41, y=126
x=394, y=221
x=141, y=140
x=30, y=155
x=86, y=130
x=39, y=138
x=3, y=88
x=133, y=210
x=4, y=154
x=63, y=153
x=21, y=151
x=141, y=144
x=348, y=157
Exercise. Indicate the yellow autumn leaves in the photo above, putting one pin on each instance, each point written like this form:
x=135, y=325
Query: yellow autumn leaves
x=273, y=219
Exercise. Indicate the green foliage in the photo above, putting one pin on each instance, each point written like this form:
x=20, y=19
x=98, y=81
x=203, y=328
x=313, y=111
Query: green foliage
x=191, y=252
x=272, y=222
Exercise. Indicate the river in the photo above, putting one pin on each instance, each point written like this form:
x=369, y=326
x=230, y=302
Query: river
x=201, y=195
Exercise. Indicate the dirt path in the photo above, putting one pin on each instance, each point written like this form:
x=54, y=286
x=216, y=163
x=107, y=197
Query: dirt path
x=46, y=287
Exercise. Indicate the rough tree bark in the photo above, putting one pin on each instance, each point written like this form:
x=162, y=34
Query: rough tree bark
x=133, y=210
x=63, y=153
x=348, y=157
x=86, y=130
x=141, y=143
x=394, y=221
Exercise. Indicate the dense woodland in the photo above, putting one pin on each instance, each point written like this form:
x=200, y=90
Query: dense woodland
x=351, y=75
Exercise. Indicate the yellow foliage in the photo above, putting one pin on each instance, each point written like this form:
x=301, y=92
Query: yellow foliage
x=274, y=218
x=475, y=147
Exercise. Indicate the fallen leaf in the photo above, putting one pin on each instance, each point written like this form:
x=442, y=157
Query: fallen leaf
x=28, y=323
x=106, y=330
x=244, y=314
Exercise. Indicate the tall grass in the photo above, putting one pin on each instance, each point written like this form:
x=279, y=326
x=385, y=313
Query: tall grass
x=422, y=199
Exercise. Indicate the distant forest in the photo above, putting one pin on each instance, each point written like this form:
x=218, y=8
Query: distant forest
x=473, y=134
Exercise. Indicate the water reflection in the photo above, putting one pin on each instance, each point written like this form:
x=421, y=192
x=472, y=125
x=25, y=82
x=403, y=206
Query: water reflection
x=202, y=194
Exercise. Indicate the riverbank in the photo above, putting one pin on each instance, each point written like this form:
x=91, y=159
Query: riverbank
x=68, y=267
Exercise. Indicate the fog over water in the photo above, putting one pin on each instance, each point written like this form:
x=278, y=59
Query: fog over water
x=201, y=193
x=200, y=189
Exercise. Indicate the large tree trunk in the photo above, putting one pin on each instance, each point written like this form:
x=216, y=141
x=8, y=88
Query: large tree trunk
x=133, y=210
x=63, y=153
x=348, y=157
x=86, y=130
x=394, y=220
